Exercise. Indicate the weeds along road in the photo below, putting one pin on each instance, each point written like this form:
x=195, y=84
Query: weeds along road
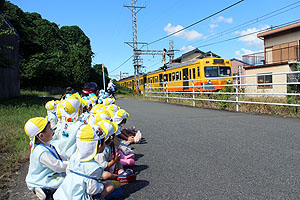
x=193, y=153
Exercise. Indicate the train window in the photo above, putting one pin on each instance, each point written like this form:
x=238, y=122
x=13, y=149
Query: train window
x=177, y=76
x=211, y=71
x=155, y=79
x=173, y=76
x=194, y=73
x=190, y=74
x=198, y=71
x=225, y=71
x=180, y=75
x=170, y=75
x=165, y=77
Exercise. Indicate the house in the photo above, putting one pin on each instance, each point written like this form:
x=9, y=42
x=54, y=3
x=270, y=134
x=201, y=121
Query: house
x=9, y=74
x=281, y=54
x=238, y=69
x=193, y=55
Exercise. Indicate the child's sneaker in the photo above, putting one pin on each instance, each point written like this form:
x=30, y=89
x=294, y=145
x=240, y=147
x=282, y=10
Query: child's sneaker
x=138, y=136
x=127, y=162
x=127, y=176
x=125, y=142
x=40, y=193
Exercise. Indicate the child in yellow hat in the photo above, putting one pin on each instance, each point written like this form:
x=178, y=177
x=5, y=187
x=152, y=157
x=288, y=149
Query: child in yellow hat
x=47, y=168
x=83, y=180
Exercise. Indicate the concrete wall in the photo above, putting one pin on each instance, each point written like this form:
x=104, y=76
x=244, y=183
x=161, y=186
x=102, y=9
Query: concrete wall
x=275, y=79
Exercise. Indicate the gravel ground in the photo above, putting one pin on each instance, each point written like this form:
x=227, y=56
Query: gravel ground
x=193, y=153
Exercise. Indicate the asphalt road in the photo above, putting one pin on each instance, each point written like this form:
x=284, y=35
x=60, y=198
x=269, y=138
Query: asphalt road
x=192, y=153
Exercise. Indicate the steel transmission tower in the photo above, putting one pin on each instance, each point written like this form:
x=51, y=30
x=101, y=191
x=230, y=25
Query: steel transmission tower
x=137, y=52
x=137, y=61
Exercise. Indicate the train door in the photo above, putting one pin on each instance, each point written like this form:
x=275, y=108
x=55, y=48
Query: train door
x=132, y=84
x=161, y=83
x=185, y=78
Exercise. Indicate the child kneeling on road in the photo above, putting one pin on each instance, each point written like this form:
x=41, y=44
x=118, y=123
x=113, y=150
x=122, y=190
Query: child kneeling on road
x=110, y=159
x=47, y=168
x=83, y=179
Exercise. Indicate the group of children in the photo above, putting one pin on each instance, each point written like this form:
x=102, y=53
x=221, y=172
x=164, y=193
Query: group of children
x=80, y=149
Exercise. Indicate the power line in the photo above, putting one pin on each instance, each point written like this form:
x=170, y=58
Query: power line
x=196, y=22
x=122, y=64
x=233, y=38
x=255, y=20
x=182, y=30
x=258, y=19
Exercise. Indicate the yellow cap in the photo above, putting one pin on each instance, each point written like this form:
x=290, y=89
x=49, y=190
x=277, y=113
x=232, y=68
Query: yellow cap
x=87, y=141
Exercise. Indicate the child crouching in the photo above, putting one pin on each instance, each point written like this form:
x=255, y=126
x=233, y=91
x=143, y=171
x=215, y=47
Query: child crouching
x=83, y=179
x=47, y=168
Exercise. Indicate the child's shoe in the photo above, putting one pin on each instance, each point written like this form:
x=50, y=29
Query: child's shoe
x=138, y=137
x=40, y=193
x=127, y=176
x=127, y=162
x=126, y=150
x=125, y=142
x=126, y=157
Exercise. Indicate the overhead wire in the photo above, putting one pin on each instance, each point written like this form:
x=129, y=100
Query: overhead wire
x=196, y=22
x=222, y=10
x=255, y=20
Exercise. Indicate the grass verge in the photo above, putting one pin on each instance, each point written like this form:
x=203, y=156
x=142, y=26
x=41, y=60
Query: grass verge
x=14, y=143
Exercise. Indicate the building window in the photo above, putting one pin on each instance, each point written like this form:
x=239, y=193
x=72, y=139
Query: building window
x=261, y=79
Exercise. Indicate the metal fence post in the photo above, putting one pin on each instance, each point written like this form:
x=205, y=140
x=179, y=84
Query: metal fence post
x=167, y=92
x=236, y=94
x=194, y=103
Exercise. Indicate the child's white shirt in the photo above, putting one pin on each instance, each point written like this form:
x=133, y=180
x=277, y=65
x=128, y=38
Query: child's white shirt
x=52, y=162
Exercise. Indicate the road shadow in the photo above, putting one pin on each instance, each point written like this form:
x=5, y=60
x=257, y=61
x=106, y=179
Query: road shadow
x=133, y=187
x=138, y=168
x=143, y=141
x=138, y=156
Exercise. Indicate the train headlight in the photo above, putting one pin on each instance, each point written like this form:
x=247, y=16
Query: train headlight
x=209, y=82
x=229, y=82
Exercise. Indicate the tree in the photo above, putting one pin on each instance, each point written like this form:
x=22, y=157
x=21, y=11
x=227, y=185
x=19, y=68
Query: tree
x=52, y=56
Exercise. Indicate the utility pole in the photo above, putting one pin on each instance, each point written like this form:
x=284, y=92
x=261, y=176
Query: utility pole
x=137, y=52
x=136, y=58
x=103, y=76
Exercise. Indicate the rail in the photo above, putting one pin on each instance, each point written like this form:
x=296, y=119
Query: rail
x=281, y=86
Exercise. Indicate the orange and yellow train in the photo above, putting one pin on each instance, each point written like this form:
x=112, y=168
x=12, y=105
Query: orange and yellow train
x=206, y=74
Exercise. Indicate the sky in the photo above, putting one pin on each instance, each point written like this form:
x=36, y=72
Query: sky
x=108, y=24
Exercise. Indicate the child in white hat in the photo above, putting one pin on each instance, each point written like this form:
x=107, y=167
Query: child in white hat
x=47, y=168
x=83, y=179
